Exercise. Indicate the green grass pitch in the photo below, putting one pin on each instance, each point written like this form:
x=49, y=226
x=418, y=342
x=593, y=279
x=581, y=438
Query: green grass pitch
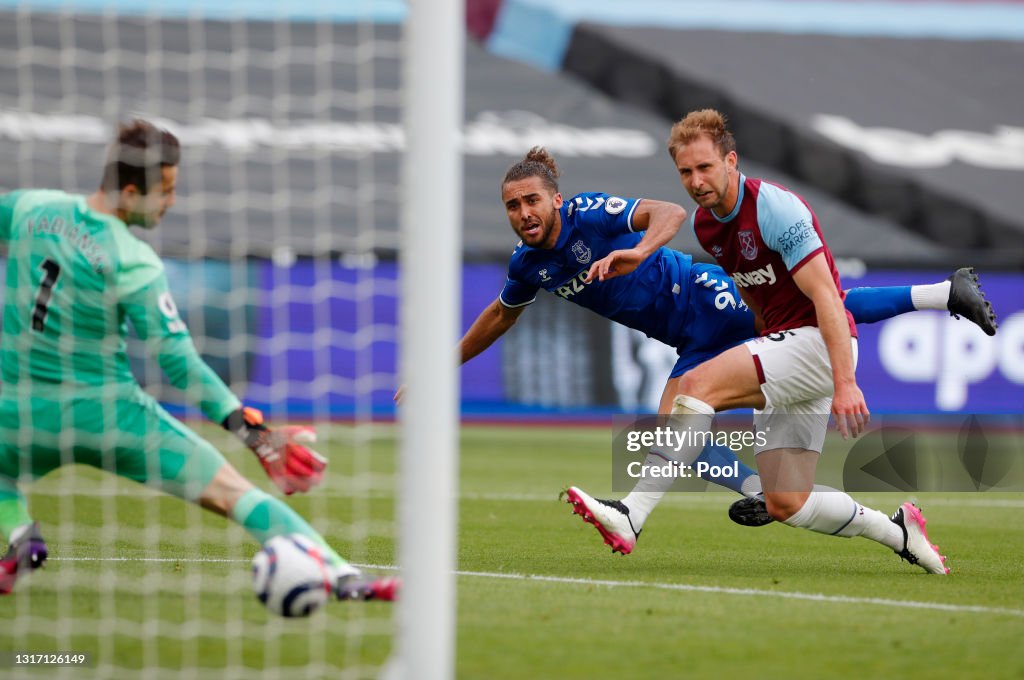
x=151, y=586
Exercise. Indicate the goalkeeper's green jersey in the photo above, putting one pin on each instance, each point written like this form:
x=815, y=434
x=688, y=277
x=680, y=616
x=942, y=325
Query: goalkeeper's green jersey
x=75, y=276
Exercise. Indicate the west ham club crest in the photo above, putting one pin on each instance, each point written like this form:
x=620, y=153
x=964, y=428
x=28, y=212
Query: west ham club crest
x=748, y=244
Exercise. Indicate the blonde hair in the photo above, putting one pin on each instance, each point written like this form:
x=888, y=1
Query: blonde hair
x=706, y=122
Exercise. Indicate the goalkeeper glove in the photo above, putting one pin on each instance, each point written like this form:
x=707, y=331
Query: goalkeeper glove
x=290, y=464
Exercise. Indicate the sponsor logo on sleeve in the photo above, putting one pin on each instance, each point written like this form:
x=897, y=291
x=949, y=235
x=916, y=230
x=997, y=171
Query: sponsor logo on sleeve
x=614, y=205
x=795, y=236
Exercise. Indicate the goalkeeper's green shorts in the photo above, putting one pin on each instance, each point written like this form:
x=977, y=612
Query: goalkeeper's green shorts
x=127, y=433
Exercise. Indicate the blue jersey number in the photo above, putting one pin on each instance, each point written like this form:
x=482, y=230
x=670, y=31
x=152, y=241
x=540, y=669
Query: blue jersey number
x=724, y=297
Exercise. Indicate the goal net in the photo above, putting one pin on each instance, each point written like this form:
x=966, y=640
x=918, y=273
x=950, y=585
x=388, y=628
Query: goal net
x=282, y=254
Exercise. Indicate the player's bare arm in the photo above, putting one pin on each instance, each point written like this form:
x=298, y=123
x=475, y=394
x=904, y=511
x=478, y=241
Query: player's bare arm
x=660, y=220
x=490, y=325
x=815, y=281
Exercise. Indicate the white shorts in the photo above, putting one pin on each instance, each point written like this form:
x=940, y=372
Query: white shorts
x=796, y=380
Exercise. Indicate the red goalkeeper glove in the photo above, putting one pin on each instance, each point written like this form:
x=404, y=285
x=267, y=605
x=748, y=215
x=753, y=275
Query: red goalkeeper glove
x=290, y=464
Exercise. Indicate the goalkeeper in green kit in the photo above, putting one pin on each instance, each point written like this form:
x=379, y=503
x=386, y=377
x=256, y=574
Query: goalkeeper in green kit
x=75, y=276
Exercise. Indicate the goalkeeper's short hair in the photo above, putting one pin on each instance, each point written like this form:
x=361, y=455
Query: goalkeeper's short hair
x=137, y=156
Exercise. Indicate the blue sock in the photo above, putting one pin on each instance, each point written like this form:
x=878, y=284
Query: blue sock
x=723, y=457
x=869, y=305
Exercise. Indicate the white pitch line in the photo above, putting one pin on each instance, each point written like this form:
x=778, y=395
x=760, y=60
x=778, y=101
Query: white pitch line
x=676, y=587
x=753, y=592
x=722, y=497
x=696, y=497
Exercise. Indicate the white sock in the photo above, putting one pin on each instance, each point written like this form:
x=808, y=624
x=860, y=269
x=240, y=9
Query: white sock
x=751, y=486
x=877, y=526
x=931, y=296
x=641, y=504
x=648, y=491
x=830, y=511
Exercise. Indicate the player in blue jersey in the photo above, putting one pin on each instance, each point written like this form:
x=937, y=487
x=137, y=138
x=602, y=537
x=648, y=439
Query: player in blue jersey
x=608, y=254
x=800, y=368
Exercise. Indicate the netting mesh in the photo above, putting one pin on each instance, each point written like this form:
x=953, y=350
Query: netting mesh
x=280, y=256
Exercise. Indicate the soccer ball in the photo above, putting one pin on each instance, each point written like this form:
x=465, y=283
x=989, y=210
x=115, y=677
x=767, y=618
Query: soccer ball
x=290, y=577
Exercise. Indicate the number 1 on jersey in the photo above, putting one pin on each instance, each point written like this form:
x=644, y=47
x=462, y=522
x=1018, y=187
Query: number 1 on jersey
x=51, y=270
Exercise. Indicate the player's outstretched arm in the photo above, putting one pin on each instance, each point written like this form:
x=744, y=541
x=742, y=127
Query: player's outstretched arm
x=283, y=452
x=491, y=324
x=659, y=220
x=289, y=463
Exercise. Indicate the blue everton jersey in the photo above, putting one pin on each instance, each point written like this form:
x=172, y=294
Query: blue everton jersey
x=653, y=299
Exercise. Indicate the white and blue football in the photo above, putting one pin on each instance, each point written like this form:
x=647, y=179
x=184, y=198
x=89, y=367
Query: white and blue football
x=290, y=576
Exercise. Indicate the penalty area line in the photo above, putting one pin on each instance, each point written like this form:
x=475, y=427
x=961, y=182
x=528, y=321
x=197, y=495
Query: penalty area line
x=608, y=583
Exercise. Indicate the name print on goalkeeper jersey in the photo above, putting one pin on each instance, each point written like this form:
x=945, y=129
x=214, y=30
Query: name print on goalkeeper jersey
x=593, y=225
x=75, y=277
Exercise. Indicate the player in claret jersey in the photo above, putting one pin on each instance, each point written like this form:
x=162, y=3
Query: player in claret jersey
x=802, y=366
x=608, y=254
x=75, y=276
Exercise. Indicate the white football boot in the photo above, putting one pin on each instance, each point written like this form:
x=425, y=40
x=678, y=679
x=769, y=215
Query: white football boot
x=611, y=518
x=917, y=549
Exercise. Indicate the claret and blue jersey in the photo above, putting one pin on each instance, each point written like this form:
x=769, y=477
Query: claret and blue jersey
x=692, y=307
x=769, y=235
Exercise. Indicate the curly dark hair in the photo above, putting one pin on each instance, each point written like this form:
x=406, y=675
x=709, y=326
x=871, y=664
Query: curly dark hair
x=538, y=162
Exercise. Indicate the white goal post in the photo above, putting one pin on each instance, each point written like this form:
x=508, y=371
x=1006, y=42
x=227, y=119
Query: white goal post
x=281, y=257
x=431, y=266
